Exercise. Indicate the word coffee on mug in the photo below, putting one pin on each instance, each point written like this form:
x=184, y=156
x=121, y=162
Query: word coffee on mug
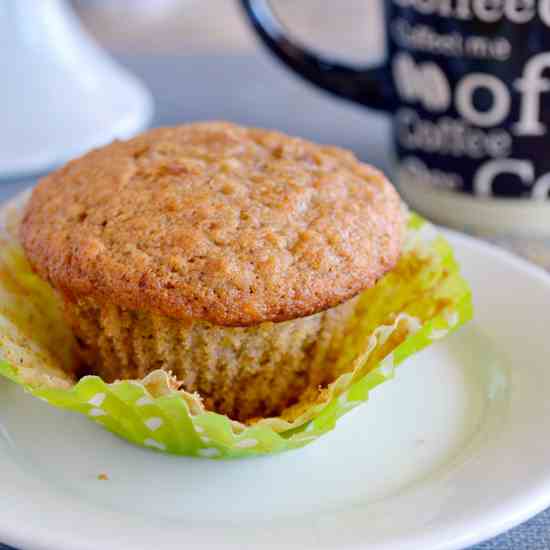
x=487, y=118
x=467, y=83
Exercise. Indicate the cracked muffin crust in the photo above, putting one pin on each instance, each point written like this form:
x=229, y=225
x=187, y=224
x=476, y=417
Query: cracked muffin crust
x=215, y=222
x=227, y=256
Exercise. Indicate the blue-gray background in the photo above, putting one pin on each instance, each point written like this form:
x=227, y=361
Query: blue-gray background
x=253, y=89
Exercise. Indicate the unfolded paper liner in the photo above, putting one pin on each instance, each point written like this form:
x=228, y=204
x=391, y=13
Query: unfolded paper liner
x=422, y=300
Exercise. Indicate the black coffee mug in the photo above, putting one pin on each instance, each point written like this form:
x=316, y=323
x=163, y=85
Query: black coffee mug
x=467, y=83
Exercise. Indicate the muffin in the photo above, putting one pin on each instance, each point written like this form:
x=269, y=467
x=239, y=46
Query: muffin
x=231, y=258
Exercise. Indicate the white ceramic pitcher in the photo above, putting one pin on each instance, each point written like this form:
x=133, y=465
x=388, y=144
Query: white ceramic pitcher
x=60, y=94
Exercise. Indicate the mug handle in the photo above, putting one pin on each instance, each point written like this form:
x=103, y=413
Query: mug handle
x=369, y=86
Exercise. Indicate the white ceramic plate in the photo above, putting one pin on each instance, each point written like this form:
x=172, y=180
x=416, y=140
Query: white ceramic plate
x=454, y=450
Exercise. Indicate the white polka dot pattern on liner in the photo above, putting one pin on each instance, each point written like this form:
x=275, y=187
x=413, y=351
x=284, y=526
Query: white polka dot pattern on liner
x=344, y=401
x=154, y=423
x=210, y=452
x=95, y=412
x=247, y=443
x=199, y=429
x=97, y=399
x=155, y=444
x=438, y=333
x=205, y=439
x=301, y=438
x=387, y=365
x=144, y=400
x=452, y=318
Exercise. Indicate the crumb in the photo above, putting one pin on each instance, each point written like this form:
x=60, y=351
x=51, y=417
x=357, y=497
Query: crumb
x=103, y=477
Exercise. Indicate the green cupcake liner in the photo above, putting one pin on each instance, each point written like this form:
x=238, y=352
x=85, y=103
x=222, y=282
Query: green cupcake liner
x=422, y=300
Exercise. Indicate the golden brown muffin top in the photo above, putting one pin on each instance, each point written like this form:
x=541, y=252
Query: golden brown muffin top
x=216, y=222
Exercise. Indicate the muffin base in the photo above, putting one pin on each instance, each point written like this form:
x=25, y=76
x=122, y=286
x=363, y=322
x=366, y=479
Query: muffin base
x=243, y=372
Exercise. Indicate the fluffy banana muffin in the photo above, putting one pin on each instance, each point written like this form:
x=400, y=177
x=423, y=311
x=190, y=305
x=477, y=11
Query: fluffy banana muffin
x=228, y=256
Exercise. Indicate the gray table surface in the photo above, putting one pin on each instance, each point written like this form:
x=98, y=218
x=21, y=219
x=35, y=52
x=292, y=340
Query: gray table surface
x=255, y=90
